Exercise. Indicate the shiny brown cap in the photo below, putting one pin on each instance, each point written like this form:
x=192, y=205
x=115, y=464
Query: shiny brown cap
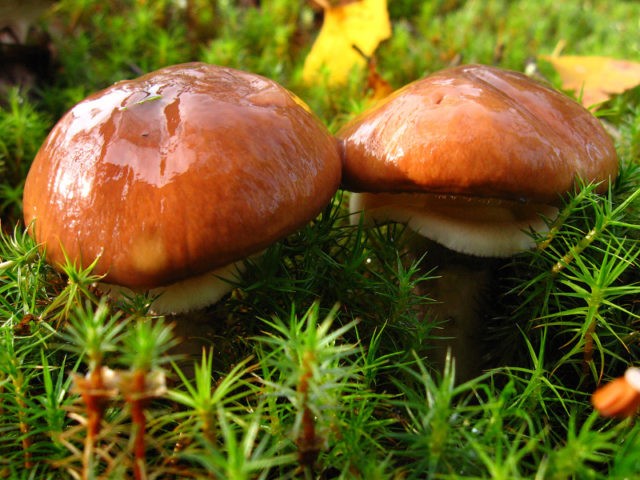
x=477, y=131
x=177, y=173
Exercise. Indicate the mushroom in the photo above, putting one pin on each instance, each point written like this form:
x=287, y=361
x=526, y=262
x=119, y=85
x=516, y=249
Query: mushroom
x=620, y=397
x=473, y=158
x=169, y=181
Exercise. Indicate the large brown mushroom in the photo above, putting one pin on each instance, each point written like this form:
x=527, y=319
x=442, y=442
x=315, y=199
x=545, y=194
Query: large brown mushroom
x=170, y=180
x=473, y=158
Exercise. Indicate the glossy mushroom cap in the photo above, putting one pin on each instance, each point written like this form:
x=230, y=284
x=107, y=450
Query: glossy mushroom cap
x=177, y=173
x=474, y=136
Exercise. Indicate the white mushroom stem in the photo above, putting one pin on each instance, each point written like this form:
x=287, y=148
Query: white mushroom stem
x=456, y=232
x=190, y=294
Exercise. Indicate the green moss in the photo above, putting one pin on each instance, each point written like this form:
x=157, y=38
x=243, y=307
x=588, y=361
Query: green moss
x=319, y=364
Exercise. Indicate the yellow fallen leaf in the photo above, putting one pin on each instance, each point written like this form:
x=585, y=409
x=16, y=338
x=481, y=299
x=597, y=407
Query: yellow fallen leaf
x=363, y=23
x=596, y=78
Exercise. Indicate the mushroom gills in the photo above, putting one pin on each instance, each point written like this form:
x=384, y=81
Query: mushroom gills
x=481, y=227
x=186, y=295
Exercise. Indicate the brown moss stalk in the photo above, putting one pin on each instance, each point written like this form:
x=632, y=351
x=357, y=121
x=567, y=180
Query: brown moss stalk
x=96, y=389
x=138, y=387
x=308, y=442
x=137, y=400
x=23, y=425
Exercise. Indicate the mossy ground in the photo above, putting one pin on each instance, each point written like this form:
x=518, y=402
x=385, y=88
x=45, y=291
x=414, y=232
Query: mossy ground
x=320, y=362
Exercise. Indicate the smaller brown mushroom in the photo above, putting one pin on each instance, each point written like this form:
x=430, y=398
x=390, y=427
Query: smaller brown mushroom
x=621, y=397
x=473, y=158
x=171, y=180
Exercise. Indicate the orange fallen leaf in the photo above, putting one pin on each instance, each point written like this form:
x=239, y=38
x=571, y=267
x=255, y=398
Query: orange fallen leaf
x=363, y=24
x=377, y=86
x=596, y=78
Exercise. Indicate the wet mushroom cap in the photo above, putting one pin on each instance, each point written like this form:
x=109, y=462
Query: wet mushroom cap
x=177, y=173
x=472, y=157
x=478, y=131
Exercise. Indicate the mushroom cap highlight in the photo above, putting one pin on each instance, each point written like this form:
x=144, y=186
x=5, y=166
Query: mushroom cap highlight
x=473, y=157
x=179, y=172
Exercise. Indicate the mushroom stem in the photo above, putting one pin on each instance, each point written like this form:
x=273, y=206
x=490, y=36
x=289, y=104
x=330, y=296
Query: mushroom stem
x=462, y=292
